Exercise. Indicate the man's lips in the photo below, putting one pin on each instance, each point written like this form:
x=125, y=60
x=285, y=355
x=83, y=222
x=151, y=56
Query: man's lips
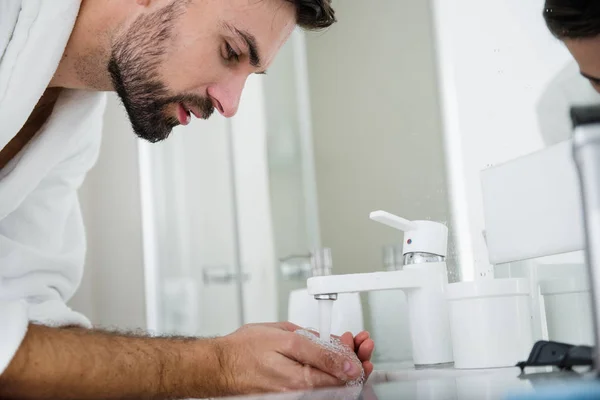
x=183, y=115
x=194, y=111
x=184, y=112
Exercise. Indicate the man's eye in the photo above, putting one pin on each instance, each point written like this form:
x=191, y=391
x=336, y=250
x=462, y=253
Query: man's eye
x=231, y=54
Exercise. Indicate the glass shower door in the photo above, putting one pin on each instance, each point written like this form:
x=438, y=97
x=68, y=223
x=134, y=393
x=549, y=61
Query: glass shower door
x=193, y=285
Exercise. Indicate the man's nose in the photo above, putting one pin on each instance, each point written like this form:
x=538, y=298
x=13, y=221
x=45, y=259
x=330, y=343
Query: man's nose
x=226, y=96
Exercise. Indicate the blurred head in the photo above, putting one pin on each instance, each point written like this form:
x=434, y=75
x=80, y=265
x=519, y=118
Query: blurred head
x=577, y=24
x=174, y=59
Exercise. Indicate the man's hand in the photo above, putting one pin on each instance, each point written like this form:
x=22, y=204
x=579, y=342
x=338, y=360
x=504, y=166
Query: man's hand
x=363, y=346
x=271, y=358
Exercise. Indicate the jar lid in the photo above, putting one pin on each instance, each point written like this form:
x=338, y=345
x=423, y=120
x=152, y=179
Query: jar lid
x=562, y=286
x=488, y=288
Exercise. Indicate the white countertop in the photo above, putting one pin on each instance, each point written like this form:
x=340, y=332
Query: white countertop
x=399, y=381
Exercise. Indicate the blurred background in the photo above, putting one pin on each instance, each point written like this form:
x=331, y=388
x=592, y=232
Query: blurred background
x=398, y=107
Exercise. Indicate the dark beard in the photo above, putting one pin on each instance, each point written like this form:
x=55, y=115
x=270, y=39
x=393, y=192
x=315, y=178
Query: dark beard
x=133, y=67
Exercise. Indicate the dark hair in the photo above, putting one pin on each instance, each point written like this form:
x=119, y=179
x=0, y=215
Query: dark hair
x=314, y=14
x=573, y=19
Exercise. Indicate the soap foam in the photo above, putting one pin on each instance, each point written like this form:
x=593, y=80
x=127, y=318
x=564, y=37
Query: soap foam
x=334, y=344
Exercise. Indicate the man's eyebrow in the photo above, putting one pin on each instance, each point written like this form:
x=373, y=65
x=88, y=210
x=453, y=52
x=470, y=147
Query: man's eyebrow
x=250, y=40
x=591, y=78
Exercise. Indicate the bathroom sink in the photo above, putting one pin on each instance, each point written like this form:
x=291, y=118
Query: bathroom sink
x=432, y=384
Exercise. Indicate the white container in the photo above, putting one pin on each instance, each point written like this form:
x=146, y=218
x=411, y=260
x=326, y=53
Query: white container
x=347, y=315
x=567, y=303
x=490, y=320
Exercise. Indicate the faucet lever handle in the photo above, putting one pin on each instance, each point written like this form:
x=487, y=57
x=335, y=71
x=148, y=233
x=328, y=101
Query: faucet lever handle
x=393, y=221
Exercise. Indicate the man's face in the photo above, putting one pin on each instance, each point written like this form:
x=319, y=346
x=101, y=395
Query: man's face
x=181, y=57
x=587, y=54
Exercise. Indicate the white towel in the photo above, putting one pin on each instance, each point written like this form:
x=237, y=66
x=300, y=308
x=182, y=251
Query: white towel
x=42, y=241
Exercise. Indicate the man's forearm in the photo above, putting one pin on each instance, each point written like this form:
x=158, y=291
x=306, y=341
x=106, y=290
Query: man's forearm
x=73, y=363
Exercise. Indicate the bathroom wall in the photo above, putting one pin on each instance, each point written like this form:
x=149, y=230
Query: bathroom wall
x=376, y=126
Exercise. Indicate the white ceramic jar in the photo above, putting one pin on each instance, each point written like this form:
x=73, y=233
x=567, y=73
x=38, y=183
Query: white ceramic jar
x=490, y=321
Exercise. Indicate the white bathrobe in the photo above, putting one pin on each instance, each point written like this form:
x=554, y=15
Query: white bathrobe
x=42, y=242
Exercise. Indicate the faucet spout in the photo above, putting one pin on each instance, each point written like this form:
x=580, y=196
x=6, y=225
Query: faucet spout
x=352, y=283
x=413, y=277
x=328, y=296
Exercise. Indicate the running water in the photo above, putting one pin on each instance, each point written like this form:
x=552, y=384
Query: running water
x=325, y=307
